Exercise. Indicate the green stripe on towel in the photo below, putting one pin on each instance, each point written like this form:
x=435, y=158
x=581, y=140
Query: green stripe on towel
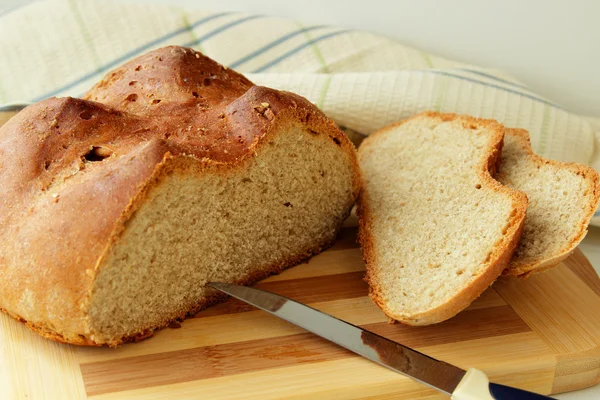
x=313, y=45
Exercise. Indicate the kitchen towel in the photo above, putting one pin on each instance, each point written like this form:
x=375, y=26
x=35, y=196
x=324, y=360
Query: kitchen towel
x=361, y=80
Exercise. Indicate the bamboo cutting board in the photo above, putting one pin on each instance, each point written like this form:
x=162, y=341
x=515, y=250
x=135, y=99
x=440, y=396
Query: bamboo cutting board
x=541, y=334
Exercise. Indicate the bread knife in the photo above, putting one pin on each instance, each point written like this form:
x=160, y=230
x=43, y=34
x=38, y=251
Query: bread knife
x=471, y=384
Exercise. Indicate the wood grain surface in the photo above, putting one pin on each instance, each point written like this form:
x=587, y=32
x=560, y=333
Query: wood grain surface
x=540, y=334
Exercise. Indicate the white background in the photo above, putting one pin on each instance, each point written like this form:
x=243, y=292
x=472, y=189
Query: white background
x=552, y=46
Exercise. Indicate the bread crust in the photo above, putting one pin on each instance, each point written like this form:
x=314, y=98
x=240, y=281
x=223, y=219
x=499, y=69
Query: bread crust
x=525, y=269
x=172, y=109
x=500, y=255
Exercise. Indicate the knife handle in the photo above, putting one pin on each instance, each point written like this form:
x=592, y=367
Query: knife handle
x=475, y=385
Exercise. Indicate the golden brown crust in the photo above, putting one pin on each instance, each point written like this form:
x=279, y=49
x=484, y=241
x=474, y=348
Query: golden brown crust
x=501, y=253
x=64, y=159
x=525, y=269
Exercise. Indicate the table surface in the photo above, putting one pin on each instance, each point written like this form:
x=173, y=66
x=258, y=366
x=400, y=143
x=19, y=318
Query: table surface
x=512, y=36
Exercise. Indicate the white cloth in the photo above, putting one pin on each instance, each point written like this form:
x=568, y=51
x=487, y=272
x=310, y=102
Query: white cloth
x=363, y=81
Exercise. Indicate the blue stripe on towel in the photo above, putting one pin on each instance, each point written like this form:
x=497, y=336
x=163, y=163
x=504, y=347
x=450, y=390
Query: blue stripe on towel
x=295, y=50
x=464, y=78
x=128, y=55
x=495, y=78
x=274, y=43
x=220, y=29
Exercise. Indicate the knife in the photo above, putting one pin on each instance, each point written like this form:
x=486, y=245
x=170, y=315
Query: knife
x=472, y=384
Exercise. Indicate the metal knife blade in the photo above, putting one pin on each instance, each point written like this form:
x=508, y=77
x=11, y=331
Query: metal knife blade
x=404, y=360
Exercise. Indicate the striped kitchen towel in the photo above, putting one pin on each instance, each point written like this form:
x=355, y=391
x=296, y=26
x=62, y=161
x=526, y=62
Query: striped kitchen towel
x=361, y=80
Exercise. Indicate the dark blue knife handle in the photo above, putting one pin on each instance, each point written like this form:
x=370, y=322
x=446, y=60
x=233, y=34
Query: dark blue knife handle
x=501, y=392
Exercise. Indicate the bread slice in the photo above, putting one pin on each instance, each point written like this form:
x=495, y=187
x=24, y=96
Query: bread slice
x=435, y=228
x=562, y=200
x=174, y=171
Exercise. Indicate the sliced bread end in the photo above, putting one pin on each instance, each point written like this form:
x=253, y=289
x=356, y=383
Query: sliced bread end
x=426, y=265
x=562, y=200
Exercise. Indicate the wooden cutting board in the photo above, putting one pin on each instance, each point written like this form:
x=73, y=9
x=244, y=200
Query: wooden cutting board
x=541, y=334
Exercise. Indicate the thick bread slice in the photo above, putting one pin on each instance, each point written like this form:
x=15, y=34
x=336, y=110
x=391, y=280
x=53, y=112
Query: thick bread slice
x=435, y=228
x=116, y=210
x=562, y=200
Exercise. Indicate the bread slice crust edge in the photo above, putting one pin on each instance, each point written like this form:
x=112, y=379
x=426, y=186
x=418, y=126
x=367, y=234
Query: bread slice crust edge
x=524, y=270
x=500, y=255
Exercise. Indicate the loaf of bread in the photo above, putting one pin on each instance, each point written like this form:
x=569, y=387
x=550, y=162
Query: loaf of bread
x=435, y=228
x=115, y=210
x=562, y=200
